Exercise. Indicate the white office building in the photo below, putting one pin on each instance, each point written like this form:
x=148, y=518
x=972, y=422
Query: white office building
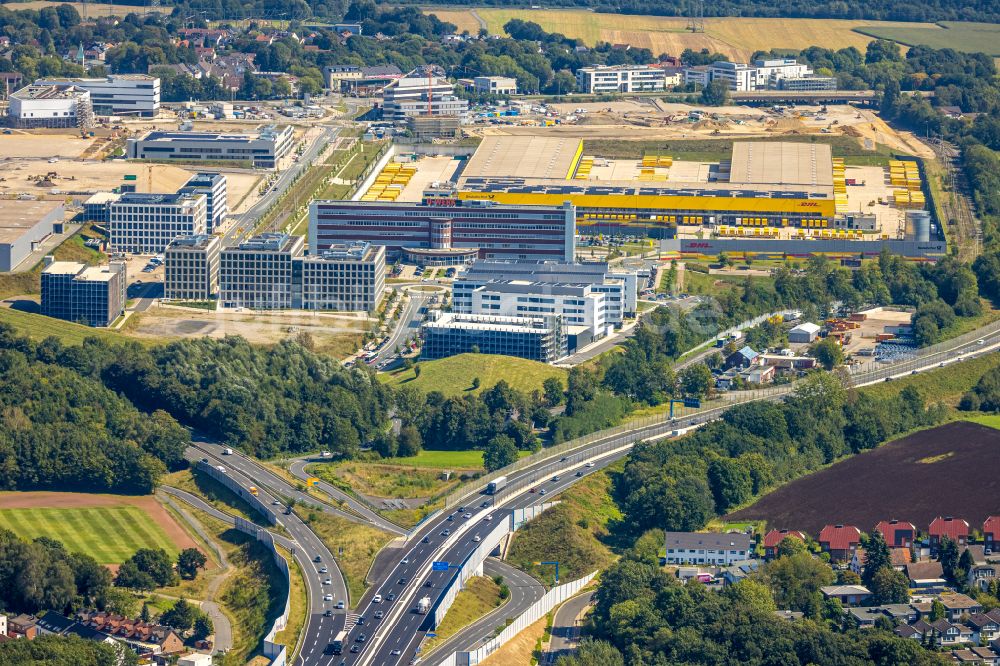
x=191, y=268
x=147, y=223
x=50, y=106
x=618, y=287
x=495, y=85
x=418, y=95
x=117, y=94
x=262, y=150
x=620, y=79
x=760, y=75
x=213, y=186
x=582, y=310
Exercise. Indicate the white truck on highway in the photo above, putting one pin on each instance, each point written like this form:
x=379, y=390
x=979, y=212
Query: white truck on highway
x=424, y=605
x=495, y=485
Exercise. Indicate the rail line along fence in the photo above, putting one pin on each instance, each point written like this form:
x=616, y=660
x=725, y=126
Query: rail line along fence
x=658, y=425
x=276, y=652
x=537, y=610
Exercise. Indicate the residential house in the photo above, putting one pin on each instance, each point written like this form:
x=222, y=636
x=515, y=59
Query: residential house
x=737, y=571
x=899, y=557
x=742, y=358
x=774, y=537
x=985, y=626
x=955, y=529
x=864, y=617
x=978, y=656
x=857, y=563
x=867, y=615
x=943, y=632
x=706, y=547
x=22, y=626
x=143, y=637
x=925, y=575
x=840, y=541
x=59, y=625
x=908, y=631
x=761, y=374
x=897, y=534
x=991, y=534
x=849, y=595
x=984, y=567
x=957, y=604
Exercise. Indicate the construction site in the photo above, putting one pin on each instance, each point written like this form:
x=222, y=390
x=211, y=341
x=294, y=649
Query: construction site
x=768, y=197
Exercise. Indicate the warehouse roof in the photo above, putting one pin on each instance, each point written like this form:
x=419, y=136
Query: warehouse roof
x=18, y=216
x=807, y=327
x=781, y=163
x=523, y=156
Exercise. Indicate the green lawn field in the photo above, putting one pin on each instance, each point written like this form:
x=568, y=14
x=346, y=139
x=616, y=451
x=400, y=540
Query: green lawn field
x=109, y=534
x=454, y=375
x=961, y=36
x=445, y=459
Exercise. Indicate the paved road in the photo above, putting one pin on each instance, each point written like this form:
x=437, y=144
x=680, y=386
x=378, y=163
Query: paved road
x=397, y=641
x=280, y=486
x=298, y=468
x=524, y=591
x=407, y=325
x=243, y=223
x=311, y=554
x=565, y=628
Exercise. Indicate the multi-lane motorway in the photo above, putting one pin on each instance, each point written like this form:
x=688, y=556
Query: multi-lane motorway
x=395, y=638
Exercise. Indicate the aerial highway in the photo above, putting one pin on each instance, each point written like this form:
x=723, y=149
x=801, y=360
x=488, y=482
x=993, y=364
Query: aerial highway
x=397, y=641
x=324, y=581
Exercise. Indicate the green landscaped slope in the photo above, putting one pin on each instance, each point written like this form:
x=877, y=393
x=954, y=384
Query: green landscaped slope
x=109, y=534
x=454, y=375
x=961, y=36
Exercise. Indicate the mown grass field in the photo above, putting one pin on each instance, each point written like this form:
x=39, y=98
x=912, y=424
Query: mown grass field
x=454, y=375
x=110, y=534
x=737, y=37
x=961, y=36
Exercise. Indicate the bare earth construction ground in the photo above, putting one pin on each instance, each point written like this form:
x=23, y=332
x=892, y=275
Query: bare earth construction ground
x=951, y=470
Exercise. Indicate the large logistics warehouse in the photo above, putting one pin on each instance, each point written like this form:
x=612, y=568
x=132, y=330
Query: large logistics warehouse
x=23, y=225
x=765, y=184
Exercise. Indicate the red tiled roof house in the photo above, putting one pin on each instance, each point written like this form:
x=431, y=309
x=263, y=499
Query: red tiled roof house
x=840, y=541
x=775, y=537
x=897, y=534
x=955, y=529
x=991, y=533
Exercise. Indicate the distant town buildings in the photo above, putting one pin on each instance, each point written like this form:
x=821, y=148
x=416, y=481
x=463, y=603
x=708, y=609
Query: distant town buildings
x=262, y=149
x=146, y=223
x=116, y=94
x=191, y=268
x=91, y=295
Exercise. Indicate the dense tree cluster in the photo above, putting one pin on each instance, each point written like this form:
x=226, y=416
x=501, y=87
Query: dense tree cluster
x=64, y=430
x=65, y=651
x=266, y=401
x=643, y=615
x=147, y=569
x=985, y=395
x=41, y=575
x=681, y=484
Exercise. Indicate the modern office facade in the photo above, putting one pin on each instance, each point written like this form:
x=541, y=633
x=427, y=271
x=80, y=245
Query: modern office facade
x=414, y=95
x=213, y=186
x=191, y=268
x=577, y=305
x=764, y=74
x=23, y=225
x=117, y=94
x=618, y=287
x=538, y=338
x=344, y=277
x=259, y=273
x=495, y=85
x=50, y=106
x=262, y=150
x=146, y=223
x=92, y=295
x=443, y=223
x=620, y=79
